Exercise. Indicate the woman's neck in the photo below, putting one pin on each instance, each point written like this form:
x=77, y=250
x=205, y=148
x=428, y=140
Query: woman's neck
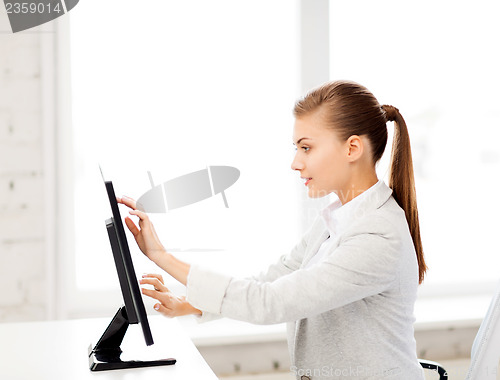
x=357, y=187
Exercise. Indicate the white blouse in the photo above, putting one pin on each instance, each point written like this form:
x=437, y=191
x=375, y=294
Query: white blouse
x=331, y=216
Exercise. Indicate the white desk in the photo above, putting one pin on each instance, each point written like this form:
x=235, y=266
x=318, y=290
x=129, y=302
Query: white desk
x=58, y=350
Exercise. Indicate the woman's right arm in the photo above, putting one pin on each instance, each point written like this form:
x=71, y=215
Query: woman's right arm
x=172, y=306
x=286, y=264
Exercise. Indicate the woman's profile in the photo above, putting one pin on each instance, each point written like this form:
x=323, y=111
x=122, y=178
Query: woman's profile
x=347, y=289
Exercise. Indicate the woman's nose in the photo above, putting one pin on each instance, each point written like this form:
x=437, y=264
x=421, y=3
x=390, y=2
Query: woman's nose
x=297, y=164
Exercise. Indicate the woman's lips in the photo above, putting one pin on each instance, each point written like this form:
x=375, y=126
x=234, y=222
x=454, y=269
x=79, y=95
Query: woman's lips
x=309, y=180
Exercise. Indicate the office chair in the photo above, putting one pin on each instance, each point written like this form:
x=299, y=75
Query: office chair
x=433, y=366
x=486, y=347
x=485, y=351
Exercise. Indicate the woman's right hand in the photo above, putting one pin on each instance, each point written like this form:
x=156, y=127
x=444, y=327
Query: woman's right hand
x=170, y=305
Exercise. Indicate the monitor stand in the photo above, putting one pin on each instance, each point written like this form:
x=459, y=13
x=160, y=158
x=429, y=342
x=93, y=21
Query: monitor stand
x=106, y=353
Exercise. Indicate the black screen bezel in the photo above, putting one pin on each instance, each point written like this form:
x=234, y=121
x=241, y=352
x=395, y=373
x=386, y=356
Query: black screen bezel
x=130, y=287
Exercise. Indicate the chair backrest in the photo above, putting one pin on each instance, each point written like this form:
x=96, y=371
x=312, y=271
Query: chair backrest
x=486, y=348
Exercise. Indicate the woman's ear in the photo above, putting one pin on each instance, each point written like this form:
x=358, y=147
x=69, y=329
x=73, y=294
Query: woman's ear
x=354, y=148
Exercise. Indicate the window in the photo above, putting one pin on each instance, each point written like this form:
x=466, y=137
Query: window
x=173, y=87
x=437, y=63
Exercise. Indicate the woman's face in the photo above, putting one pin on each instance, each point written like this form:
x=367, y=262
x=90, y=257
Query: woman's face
x=321, y=158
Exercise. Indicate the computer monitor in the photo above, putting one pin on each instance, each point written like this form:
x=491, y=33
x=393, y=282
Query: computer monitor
x=105, y=355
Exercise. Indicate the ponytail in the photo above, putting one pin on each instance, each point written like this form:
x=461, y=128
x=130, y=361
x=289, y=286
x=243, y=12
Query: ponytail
x=402, y=181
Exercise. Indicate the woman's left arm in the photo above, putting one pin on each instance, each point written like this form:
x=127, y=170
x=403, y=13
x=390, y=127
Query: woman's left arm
x=150, y=244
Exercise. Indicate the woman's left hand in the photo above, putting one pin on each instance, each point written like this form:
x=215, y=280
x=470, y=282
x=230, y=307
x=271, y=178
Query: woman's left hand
x=145, y=235
x=150, y=244
x=170, y=305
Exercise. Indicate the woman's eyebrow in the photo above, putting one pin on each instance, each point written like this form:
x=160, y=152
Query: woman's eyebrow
x=302, y=138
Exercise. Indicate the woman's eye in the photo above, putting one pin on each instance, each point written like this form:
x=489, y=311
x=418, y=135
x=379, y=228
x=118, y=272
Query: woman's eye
x=303, y=147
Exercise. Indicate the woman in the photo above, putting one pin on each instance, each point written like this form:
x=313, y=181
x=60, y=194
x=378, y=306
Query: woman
x=348, y=289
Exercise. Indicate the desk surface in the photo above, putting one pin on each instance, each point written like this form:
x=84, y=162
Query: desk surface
x=58, y=350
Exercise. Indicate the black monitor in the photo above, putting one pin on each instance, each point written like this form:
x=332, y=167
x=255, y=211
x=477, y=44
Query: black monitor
x=105, y=355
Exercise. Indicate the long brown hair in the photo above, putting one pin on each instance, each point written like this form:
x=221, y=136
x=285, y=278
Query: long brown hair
x=351, y=109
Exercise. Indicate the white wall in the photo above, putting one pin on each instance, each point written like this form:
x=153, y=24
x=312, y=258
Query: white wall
x=28, y=261
x=23, y=240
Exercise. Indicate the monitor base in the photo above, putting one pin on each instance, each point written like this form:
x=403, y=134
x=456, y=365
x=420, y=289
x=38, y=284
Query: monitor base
x=106, y=353
x=97, y=365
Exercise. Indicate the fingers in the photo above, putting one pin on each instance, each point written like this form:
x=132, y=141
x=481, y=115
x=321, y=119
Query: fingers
x=131, y=226
x=154, y=294
x=143, y=218
x=142, y=215
x=127, y=201
x=167, y=301
x=164, y=310
x=155, y=282
x=155, y=275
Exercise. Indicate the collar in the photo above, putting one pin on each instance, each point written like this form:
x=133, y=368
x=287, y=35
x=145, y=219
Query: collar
x=337, y=216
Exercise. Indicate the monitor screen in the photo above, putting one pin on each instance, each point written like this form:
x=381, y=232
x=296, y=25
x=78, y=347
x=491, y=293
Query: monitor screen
x=105, y=355
x=125, y=268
